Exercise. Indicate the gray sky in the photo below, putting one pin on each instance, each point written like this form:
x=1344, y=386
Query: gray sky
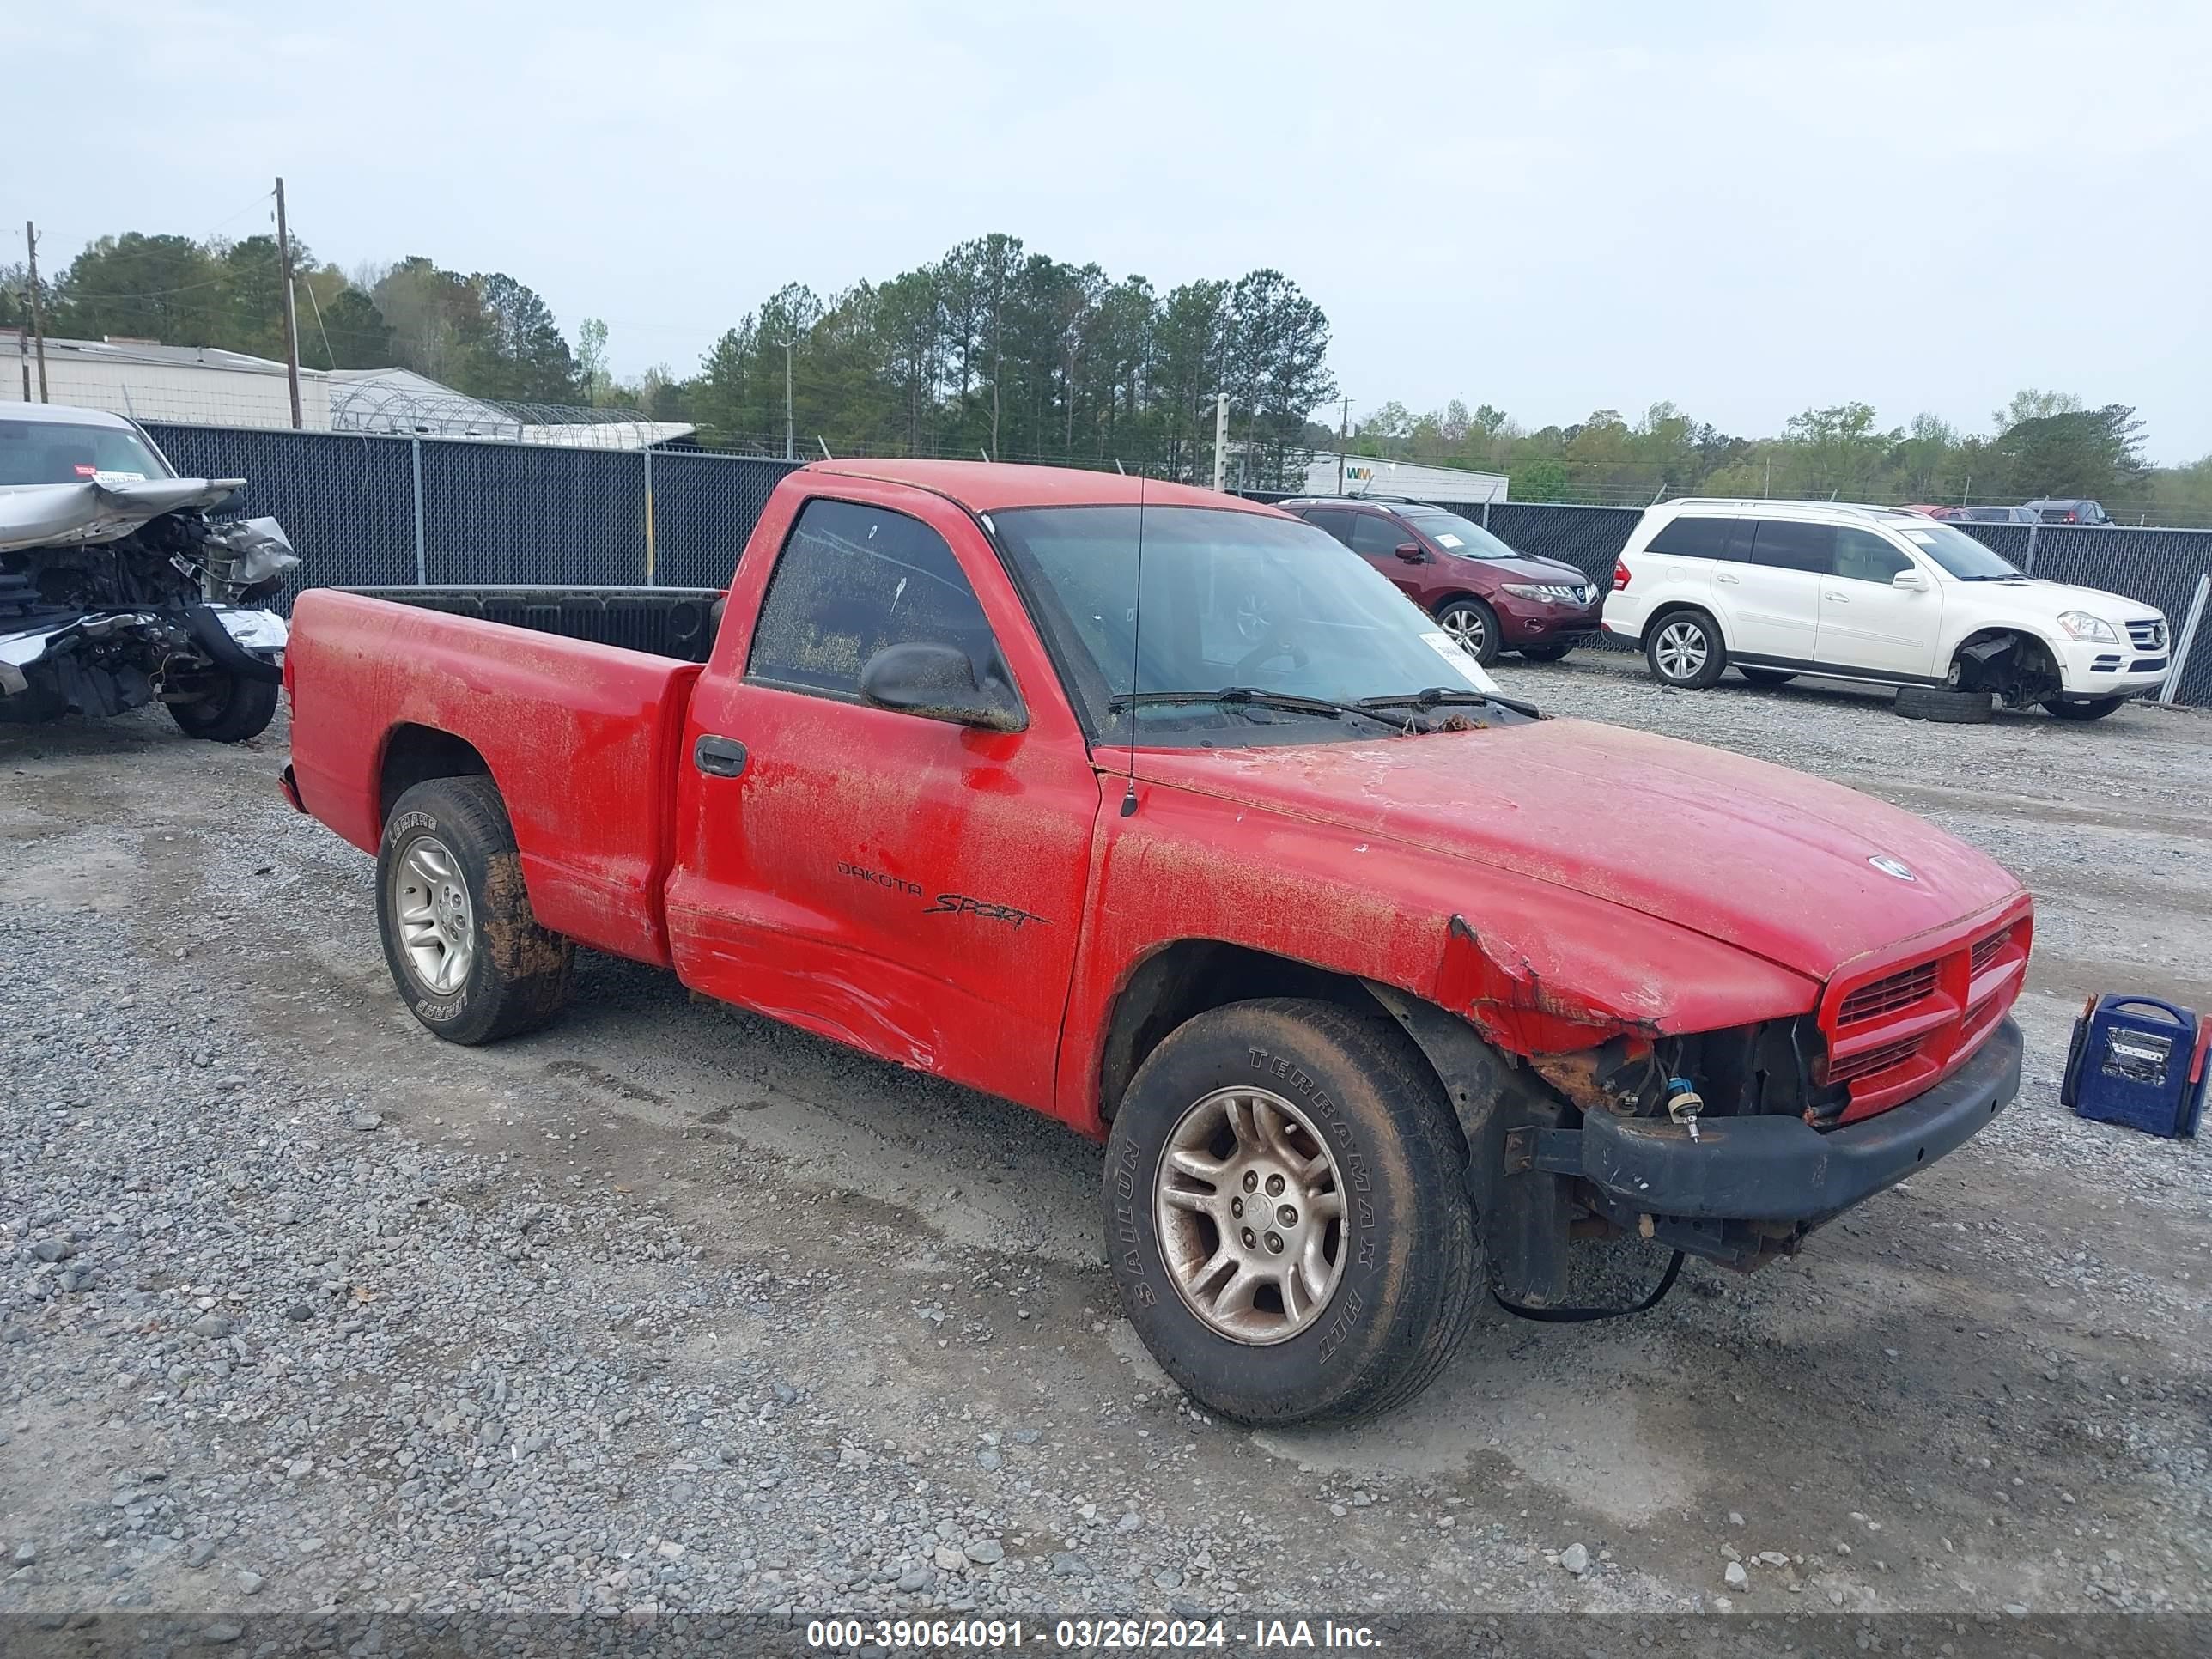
x=1748, y=209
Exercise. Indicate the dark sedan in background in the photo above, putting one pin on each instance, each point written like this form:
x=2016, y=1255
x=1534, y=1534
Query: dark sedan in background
x=1481, y=593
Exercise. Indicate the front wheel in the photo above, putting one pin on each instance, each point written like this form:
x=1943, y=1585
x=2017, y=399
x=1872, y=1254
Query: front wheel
x=1473, y=625
x=234, y=709
x=1285, y=1213
x=1685, y=650
x=464, y=946
x=2095, y=710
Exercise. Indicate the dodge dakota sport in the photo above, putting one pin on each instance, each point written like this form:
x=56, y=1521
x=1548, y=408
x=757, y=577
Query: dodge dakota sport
x=1380, y=989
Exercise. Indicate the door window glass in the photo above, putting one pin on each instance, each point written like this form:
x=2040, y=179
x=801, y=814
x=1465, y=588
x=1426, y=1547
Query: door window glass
x=1377, y=536
x=1694, y=538
x=1863, y=557
x=852, y=580
x=1338, y=524
x=1791, y=545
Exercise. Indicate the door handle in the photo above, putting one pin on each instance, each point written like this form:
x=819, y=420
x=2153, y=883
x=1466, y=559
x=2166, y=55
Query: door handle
x=718, y=757
x=1731, y=580
x=1838, y=598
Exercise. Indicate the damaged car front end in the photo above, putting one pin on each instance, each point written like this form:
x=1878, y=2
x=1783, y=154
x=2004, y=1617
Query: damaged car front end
x=1733, y=1145
x=116, y=590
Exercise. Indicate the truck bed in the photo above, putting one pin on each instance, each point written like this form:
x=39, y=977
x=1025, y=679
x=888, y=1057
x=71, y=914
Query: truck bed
x=676, y=623
x=581, y=734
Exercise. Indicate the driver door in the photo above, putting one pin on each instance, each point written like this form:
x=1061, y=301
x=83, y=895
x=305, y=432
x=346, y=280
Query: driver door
x=1867, y=621
x=901, y=883
x=1377, y=540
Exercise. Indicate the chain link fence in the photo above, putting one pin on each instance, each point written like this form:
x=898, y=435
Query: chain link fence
x=366, y=510
x=369, y=511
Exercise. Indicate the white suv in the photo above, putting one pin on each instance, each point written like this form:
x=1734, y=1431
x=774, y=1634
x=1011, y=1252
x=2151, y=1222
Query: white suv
x=1781, y=588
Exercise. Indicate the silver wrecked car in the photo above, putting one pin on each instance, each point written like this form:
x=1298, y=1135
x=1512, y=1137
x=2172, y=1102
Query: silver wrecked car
x=117, y=590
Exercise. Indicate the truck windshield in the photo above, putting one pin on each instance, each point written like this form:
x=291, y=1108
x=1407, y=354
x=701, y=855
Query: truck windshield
x=69, y=452
x=1230, y=600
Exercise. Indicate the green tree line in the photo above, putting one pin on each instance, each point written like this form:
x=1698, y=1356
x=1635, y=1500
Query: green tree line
x=997, y=349
x=485, y=334
x=2041, y=444
x=992, y=349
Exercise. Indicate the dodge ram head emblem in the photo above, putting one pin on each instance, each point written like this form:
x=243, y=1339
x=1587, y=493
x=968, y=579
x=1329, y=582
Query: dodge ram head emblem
x=1890, y=866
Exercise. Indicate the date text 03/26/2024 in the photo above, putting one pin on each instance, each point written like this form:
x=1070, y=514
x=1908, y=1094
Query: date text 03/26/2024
x=1086, y=1635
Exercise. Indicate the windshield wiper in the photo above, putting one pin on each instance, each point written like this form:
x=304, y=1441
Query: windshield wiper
x=1438, y=696
x=1239, y=697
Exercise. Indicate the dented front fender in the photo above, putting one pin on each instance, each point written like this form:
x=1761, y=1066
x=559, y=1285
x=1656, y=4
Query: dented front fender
x=1582, y=981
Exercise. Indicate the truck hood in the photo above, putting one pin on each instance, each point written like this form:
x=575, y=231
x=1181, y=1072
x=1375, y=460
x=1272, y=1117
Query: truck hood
x=1761, y=858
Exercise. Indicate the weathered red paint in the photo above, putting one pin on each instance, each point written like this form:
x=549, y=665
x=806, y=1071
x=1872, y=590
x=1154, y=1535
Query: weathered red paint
x=1558, y=883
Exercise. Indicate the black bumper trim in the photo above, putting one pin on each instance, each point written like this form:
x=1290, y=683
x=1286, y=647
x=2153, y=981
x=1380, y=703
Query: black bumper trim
x=1782, y=1169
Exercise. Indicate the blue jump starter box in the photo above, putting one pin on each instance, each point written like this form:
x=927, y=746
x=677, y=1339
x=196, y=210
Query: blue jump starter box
x=2138, y=1061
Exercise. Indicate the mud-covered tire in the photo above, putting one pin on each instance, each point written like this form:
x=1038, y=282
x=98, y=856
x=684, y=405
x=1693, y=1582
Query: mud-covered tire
x=237, y=709
x=518, y=973
x=1411, y=1273
x=1765, y=675
x=2095, y=710
x=1942, y=705
x=1683, y=648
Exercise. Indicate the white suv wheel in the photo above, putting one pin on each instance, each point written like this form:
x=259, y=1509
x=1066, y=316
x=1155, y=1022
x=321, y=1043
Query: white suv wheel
x=1681, y=650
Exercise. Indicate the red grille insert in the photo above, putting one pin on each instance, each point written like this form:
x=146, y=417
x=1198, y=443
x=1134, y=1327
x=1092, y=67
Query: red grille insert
x=1887, y=995
x=1873, y=1060
x=1987, y=949
x=1896, y=1032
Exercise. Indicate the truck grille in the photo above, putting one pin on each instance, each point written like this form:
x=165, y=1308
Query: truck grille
x=2148, y=636
x=1886, y=996
x=1897, y=1030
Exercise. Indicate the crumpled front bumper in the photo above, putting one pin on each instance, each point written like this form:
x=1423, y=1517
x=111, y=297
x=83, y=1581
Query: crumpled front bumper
x=260, y=635
x=1782, y=1169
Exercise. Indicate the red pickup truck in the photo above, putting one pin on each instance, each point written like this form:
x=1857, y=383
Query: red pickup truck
x=1379, y=986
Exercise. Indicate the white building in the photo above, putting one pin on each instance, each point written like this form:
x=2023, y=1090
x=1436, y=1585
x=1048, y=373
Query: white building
x=1362, y=475
x=202, y=385
x=149, y=382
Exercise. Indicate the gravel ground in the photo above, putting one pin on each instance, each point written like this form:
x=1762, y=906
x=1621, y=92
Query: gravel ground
x=670, y=1308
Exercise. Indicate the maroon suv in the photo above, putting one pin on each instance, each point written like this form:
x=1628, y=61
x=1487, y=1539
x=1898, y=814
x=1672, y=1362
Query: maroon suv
x=1486, y=596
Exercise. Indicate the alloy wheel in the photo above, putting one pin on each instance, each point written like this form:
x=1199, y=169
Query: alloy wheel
x=1250, y=1211
x=1681, y=650
x=437, y=926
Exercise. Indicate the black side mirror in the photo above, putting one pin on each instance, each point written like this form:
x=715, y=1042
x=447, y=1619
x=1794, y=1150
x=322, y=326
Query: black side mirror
x=938, y=681
x=1411, y=552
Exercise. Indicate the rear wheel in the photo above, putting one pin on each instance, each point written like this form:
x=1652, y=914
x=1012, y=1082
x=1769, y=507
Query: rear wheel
x=1551, y=653
x=234, y=709
x=1473, y=624
x=1765, y=675
x=1684, y=648
x=1285, y=1213
x=2095, y=710
x=462, y=943
x=1942, y=705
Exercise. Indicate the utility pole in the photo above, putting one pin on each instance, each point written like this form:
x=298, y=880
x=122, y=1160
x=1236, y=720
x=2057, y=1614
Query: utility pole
x=291, y=316
x=38, y=316
x=1343, y=438
x=1220, y=434
x=789, y=454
